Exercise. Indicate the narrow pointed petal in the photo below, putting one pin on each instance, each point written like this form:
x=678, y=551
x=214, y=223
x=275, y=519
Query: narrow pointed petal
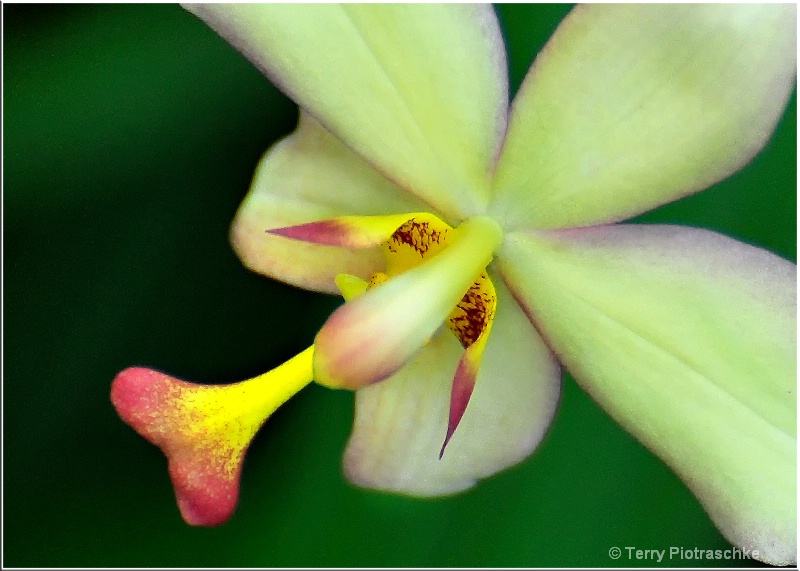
x=204, y=430
x=688, y=339
x=307, y=177
x=632, y=106
x=471, y=322
x=399, y=423
x=463, y=384
x=420, y=91
x=347, y=231
x=371, y=337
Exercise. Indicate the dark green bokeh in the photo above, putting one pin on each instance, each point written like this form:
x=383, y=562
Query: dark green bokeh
x=131, y=135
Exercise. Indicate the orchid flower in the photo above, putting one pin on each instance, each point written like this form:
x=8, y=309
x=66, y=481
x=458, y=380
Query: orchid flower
x=414, y=190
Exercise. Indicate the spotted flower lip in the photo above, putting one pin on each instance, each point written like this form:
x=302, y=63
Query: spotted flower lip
x=687, y=338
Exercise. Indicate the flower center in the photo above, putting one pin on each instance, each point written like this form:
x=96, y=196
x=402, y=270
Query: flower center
x=434, y=274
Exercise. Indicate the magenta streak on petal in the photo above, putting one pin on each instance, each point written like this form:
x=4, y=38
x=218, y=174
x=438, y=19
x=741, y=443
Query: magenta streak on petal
x=345, y=232
x=330, y=233
x=463, y=384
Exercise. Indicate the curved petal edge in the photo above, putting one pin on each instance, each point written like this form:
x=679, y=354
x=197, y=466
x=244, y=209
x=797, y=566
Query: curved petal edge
x=632, y=106
x=309, y=177
x=399, y=422
x=689, y=340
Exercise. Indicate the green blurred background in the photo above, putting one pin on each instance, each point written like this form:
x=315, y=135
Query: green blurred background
x=131, y=133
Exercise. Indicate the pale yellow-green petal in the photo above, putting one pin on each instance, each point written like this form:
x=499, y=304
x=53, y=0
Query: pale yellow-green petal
x=306, y=177
x=632, y=106
x=688, y=339
x=400, y=423
x=420, y=90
